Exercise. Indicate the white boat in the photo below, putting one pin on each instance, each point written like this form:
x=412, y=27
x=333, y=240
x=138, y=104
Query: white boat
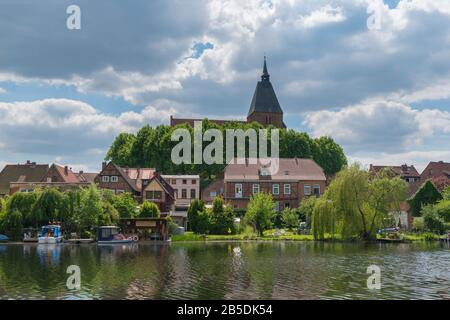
x=50, y=234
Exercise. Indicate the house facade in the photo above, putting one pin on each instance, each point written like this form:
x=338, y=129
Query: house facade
x=29, y=176
x=295, y=180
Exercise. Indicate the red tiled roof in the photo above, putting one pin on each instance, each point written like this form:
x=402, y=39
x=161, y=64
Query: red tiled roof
x=403, y=170
x=66, y=173
x=289, y=169
x=436, y=169
x=29, y=172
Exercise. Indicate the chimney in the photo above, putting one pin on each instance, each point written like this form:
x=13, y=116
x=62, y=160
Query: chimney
x=66, y=170
x=103, y=165
x=81, y=172
x=405, y=168
x=28, y=162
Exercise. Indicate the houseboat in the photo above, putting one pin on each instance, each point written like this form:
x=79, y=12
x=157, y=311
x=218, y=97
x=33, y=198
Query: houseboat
x=50, y=234
x=3, y=238
x=112, y=235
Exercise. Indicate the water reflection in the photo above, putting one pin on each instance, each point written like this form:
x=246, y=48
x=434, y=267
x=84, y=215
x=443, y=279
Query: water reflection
x=247, y=270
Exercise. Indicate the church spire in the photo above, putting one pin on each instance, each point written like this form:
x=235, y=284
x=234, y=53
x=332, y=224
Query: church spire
x=265, y=76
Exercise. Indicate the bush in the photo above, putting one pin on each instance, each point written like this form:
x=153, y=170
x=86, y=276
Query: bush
x=172, y=226
x=418, y=224
x=196, y=207
x=433, y=222
x=290, y=218
x=149, y=210
x=260, y=211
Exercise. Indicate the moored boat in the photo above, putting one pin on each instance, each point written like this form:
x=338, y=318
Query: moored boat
x=50, y=234
x=3, y=238
x=112, y=235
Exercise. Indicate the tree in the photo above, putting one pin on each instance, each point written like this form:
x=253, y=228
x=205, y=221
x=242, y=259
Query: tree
x=110, y=216
x=125, y=205
x=433, y=222
x=260, y=211
x=290, y=218
x=91, y=209
x=305, y=210
x=12, y=224
x=48, y=206
x=24, y=203
x=446, y=193
x=149, y=210
x=196, y=207
x=427, y=194
x=329, y=155
x=221, y=217
x=120, y=150
x=360, y=203
x=324, y=218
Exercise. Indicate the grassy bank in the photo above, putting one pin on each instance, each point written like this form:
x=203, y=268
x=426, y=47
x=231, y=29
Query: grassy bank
x=288, y=236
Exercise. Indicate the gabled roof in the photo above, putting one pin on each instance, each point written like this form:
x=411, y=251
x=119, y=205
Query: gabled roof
x=134, y=176
x=402, y=171
x=87, y=176
x=29, y=172
x=164, y=184
x=264, y=98
x=66, y=175
x=292, y=169
x=438, y=169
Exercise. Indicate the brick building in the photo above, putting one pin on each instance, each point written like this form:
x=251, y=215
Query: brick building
x=295, y=180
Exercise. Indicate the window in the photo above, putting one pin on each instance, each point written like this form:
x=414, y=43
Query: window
x=175, y=193
x=174, y=181
x=430, y=172
x=255, y=188
x=192, y=193
x=114, y=179
x=153, y=195
x=183, y=193
x=184, y=181
x=307, y=190
x=317, y=189
x=105, y=178
x=287, y=205
x=287, y=188
x=238, y=190
x=276, y=189
x=213, y=194
x=194, y=181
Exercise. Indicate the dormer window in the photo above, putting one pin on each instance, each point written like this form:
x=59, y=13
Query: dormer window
x=114, y=179
x=264, y=172
x=105, y=178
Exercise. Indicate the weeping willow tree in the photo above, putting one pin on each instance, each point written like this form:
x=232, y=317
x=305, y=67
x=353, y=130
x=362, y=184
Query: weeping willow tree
x=356, y=203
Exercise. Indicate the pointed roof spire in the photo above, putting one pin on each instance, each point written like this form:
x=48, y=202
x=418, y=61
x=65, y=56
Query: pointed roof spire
x=265, y=75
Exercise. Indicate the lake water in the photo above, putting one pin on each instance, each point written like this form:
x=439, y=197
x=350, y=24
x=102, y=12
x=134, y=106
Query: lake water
x=241, y=270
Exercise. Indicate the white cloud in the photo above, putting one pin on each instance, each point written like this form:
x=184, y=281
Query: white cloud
x=68, y=127
x=2, y=91
x=385, y=126
x=321, y=16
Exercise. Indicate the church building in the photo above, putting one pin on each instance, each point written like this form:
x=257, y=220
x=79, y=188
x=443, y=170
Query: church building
x=264, y=108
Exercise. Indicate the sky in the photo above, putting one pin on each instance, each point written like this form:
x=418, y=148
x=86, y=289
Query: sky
x=373, y=75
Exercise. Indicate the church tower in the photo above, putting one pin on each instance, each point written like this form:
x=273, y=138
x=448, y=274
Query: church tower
x=265, y=107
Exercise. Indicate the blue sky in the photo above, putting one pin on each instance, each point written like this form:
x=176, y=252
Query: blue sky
x=382, y=93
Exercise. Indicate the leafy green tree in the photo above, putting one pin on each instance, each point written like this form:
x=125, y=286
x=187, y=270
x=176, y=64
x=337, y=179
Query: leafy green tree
x=260, y=211
x=433, y=222
x=138, y=149
x=329, y=155
x=13, y=224
x=195, y=208
x=290, y=218
x=48, y=206
x=91, y=209
x=324, y=219
x=121, y=148
x=125, y=205
x=110, y=216
x=149, y=210
x=222, y=217
x=446, y=193
x=305, y=210
x=24, y=203
x=427, y=194
x=360, y=203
